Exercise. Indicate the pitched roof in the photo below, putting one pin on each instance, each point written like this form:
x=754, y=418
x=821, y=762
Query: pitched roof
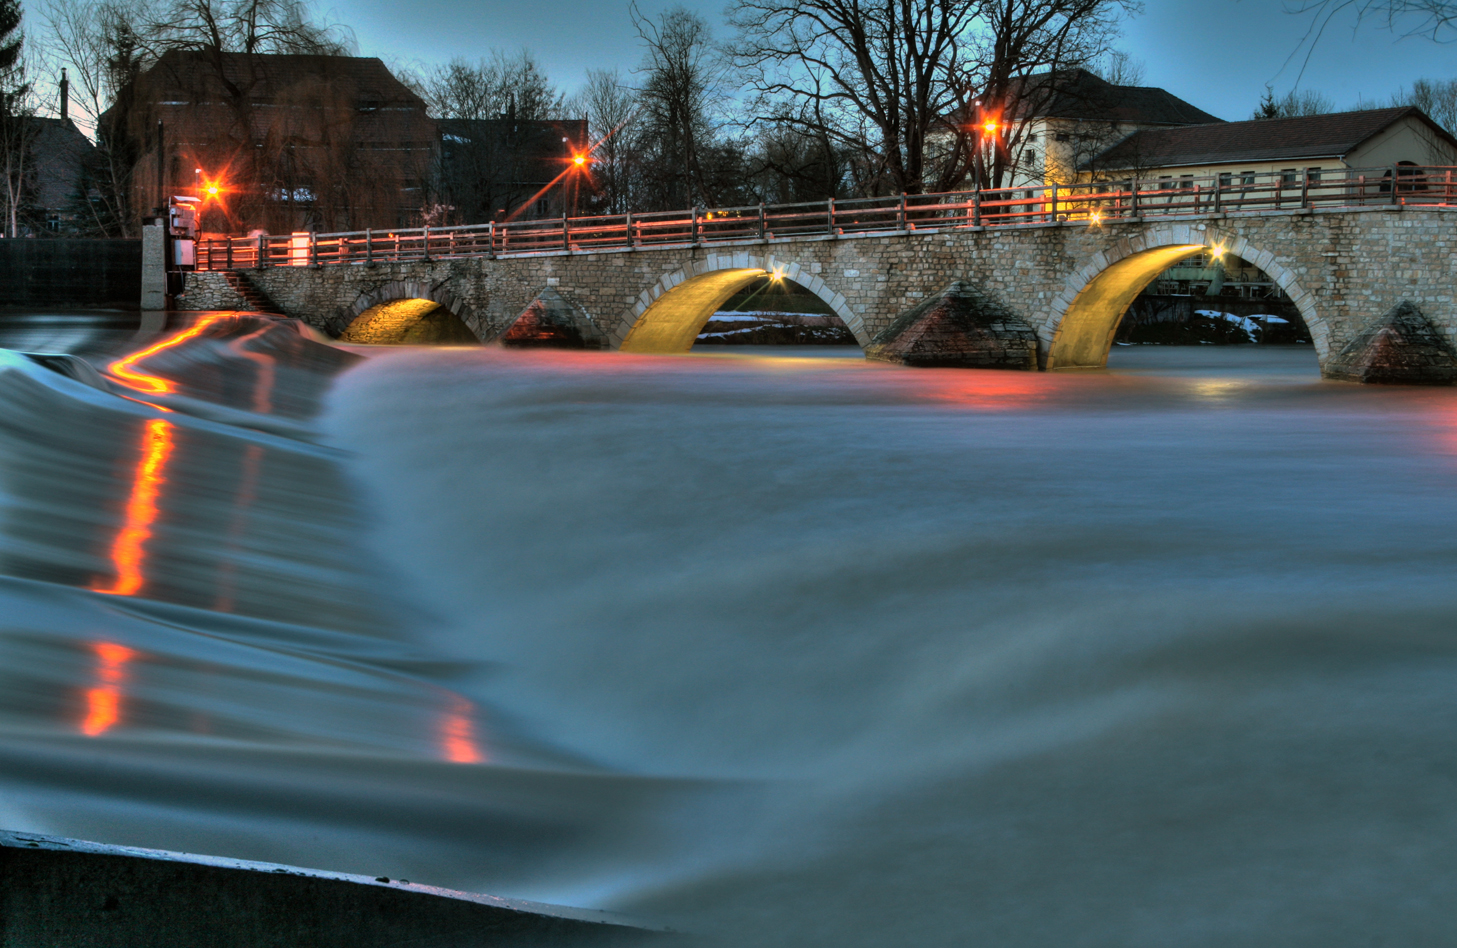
x=267, y=75
x=1310, y=136
x=1081, y=95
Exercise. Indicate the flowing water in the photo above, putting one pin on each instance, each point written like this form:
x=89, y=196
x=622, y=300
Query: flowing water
x=778, y=650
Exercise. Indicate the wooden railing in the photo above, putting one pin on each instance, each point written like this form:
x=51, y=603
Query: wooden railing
x=1092, y=203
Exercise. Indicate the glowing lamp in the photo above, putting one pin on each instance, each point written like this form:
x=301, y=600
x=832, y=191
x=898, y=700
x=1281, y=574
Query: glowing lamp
x=579, y=160
x=989, y=128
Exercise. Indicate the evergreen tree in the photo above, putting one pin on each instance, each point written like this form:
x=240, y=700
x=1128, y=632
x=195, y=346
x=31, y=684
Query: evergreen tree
x=16, y=129
x=1269, y=107
x=10, y=37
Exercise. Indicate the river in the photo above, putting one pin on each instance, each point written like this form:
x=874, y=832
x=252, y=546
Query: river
x=784, y=650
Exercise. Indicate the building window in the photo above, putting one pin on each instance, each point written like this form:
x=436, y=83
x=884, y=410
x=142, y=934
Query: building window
x=1062, y=137
x=1289, y=175
x=1312, y=174
x=1031, y=137
x=1226, y=179
x=1186, y=181
x=1247, y=178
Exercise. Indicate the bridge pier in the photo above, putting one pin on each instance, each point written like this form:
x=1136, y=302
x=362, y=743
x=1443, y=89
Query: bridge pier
x=1070, y=281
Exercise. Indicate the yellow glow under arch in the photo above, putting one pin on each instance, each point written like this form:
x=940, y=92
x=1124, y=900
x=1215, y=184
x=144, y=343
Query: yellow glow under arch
x=676, y=318
x=1085, y=333
x=408, y=322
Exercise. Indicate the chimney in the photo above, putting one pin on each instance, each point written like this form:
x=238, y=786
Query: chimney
x=65, y=95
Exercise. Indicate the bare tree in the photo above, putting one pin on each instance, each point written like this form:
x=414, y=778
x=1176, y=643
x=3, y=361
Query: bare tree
x=1436, y=19
x=1120, y=68
x=500, y=84
x=611, y=107
x=97, y=40
x=1436, y=97
x=926, y=90
x=17, y=111
x=681, y=77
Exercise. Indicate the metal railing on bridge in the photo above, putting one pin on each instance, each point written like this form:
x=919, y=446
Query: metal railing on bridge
x=1091, y=202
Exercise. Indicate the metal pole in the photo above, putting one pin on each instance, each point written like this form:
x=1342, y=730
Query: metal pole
x=368, y=247
x=1218, y=191
x=1305, y=190
x=1133, y=191
x=975, y=206
x=763, y=229
x=1393, y=184
x=830, y=217
x=566, y=233
x=313, y=249
x=900, y=223
x=425, y=242
x=1054, y=203
x=631, y=237
x=695, y=226
x=259, y=263
x=230, y=253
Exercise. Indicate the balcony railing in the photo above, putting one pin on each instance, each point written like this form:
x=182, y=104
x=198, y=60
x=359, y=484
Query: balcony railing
x=1091, y=203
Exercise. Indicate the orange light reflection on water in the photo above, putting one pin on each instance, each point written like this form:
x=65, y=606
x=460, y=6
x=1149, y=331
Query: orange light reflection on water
x=128, y=551
x=103, y=703
x=458, y=733
x=126, y=369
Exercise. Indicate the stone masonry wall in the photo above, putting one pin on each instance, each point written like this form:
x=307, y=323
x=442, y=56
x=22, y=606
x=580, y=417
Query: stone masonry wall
x=1342, y=268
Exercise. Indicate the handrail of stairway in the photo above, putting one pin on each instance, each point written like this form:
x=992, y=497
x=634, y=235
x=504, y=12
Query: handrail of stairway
x=1087, y=203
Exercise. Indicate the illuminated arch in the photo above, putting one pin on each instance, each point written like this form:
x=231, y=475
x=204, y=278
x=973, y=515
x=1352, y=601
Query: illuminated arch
x=668, y=316
x=353, y=319
x=1079, y=330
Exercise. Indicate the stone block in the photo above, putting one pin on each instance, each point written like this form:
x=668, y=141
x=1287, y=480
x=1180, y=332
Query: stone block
x=1400, y=348
x=962, y=326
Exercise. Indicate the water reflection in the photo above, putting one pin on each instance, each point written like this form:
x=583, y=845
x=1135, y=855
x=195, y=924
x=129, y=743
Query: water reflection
x=126, y=369
x=458, y=732
x=103, y=702
x=128, y=550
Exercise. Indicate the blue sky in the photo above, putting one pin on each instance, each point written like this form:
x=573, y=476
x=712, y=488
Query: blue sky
x=1218, y=54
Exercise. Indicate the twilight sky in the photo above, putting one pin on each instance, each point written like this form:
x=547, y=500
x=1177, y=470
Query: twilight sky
x=1217, y=54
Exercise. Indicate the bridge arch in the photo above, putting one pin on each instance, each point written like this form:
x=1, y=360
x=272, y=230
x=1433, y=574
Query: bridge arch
x=1079, y=329
x=669, y=315
x=394, y=311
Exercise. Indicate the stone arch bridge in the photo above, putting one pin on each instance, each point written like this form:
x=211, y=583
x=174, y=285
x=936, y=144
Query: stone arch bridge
x=1067, y=282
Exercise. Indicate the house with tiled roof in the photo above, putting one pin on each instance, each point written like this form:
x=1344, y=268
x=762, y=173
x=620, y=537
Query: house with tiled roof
x=291, y=141
x=1062, y=119
x=1308, y=146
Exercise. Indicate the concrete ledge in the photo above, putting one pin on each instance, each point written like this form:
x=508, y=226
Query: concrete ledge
x=65, y=892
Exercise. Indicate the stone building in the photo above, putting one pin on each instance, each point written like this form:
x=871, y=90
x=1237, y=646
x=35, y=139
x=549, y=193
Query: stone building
x=290, y=142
